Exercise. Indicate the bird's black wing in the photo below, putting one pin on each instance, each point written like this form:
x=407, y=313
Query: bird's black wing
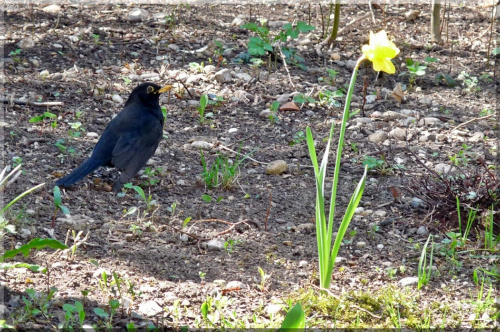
x=133, y=150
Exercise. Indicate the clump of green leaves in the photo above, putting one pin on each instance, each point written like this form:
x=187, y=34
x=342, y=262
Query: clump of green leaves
x=197, y=67
x=60, y=144
x=329, y=98
x=415, y=69
x=273, y=116
x=470, y=83
x=298, y=138
x=46, y=115
x=264, y=43
x=223, y=172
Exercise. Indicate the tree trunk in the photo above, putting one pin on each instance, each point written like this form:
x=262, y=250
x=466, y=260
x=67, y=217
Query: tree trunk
x=435, y=21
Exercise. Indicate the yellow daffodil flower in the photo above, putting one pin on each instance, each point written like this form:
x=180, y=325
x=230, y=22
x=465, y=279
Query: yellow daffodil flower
x=380, y=52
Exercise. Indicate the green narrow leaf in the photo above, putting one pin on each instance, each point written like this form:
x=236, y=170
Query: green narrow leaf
x=294, y=319
x=36, y=243
x=57, y=196
x=204, y=310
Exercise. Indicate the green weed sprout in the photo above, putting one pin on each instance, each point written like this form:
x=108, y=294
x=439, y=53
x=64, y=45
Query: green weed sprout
x=201, y=108
x=380, y=51
x=424, y=269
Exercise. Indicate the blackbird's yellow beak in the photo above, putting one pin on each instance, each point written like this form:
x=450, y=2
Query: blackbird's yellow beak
x=166, y=88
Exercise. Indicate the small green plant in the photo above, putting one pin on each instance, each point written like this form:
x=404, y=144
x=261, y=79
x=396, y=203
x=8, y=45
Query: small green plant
x=223, y=172
x=298, y=138
x=351, y=237
x=69, y=316
x=329, y=98
x=463, y=157
x=470, y=220
x=332, y=75
x=302, y=98
x=152, y=176
x=148, y=200
x=470, y=83
x=263, y=279
x=490, y=240
x=375, y=164
x=96, y=39
x=486, y=112
x=40, y=118
x=126, y=81
x=76, y=129
x=415, y=69
x=60, y=144
x=108, y=317
x=58, y=202
x=259, y=46
x=424, y=269
x=197, y=67
x=36, y=303
x=273, y=116
x=15, y=55
x=202, y=107
x=229, y=245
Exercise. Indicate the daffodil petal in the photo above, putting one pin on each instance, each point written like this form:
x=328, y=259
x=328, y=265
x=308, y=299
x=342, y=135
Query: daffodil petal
x=387, y=52
x=384, y=65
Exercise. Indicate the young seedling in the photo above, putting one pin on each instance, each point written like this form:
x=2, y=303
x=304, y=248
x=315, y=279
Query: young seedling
x=58, y=205
x=424, y=269
x=201, y=108
x=273, y=116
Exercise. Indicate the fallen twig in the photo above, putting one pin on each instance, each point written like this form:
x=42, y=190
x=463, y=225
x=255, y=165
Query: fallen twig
x=286, y=68
x=31, y=103
x=472, y=120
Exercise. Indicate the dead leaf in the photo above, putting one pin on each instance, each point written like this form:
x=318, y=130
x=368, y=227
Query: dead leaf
x=398, y=93
x=290, y=106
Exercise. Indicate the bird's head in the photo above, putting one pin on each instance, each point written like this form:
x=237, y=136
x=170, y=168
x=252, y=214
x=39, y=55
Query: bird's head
x=148, y=93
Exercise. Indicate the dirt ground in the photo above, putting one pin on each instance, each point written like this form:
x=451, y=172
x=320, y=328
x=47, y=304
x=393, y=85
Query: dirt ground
x=89, y=58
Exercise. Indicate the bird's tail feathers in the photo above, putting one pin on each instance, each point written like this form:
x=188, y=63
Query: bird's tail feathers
x=86, y=168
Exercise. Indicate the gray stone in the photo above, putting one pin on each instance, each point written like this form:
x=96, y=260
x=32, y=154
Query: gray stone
x=429, y=121
x=214, y=245
x=201, y=145
x=444, y=168
x=378, y=137
x=236, y=284
x=370, y=99
x=276, y=167
x=223, y=76
x=238, y=20
x=208, y=69
x=194, y=78
x=360, y=244
x=277, y=24
x=391, y=115
x=422, y=230
x=173, y=47
x=52, y=9
x=26, y=43
x=398, y=133
x=150, y=308
x=408, y=281
x=274, y=309
x=137, y=15
x=283, y=98
x=243, y=76
x=117, y=99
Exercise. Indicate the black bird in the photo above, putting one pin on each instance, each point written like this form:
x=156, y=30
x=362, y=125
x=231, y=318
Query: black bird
x=129, y=140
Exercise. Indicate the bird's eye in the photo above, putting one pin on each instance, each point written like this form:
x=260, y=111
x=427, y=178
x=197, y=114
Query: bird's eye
x=150, y=89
